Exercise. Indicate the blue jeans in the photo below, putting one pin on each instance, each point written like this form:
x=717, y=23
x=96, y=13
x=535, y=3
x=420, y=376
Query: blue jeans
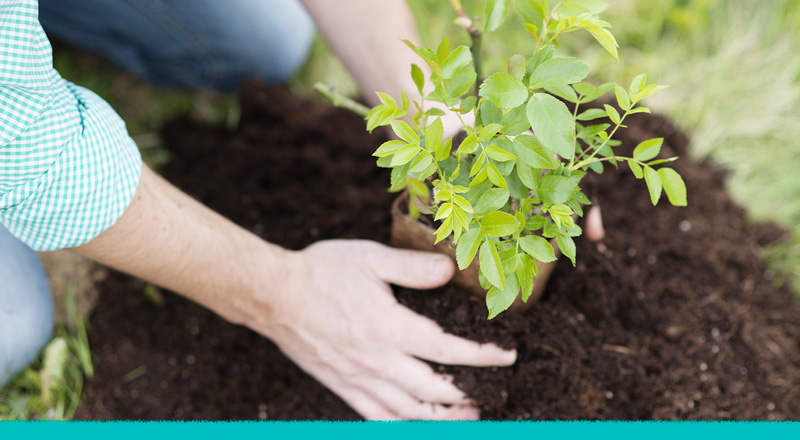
x=188, y=43
x=26, y=306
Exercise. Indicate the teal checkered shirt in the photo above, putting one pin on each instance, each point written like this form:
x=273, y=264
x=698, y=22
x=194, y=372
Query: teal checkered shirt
x=68, y=168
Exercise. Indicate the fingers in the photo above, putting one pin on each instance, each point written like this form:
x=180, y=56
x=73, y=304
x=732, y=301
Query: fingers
x=428, y=341
x=405, y=406
x=419, y=380
x=594, y=224
x=413, y=269
x=363, y=404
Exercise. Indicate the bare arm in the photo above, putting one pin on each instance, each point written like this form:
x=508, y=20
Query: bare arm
x=366, y=35
x=328, y=307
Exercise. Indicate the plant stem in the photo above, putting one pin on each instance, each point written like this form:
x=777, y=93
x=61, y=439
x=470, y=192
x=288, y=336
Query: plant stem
x=597, y=150
x=340, y=100
x=476, y=59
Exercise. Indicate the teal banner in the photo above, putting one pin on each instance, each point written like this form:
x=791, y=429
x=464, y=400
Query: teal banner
x=400, y=430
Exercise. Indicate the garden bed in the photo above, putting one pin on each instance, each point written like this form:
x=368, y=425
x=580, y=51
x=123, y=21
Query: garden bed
x=673, y=317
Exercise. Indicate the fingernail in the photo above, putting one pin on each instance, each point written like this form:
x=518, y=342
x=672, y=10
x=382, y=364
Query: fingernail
x=440, y=267
x=507, y=357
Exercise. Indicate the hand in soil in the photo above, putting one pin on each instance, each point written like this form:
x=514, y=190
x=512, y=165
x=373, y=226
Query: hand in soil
x=345, y=328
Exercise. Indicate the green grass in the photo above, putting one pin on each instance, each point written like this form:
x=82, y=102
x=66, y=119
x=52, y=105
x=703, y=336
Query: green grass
x=51, y=388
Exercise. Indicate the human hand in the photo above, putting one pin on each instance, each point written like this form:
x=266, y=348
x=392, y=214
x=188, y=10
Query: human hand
x=340, y=322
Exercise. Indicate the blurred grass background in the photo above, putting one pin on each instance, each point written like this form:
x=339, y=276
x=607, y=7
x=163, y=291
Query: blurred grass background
x=733, y=67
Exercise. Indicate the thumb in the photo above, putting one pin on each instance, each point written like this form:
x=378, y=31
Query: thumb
x=407, y=268
x=594, y=224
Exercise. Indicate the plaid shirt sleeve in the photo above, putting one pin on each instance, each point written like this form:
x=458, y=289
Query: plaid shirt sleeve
x=68, y=168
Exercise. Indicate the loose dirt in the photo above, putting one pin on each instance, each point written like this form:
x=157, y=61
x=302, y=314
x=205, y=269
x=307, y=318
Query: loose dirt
x=672, y=317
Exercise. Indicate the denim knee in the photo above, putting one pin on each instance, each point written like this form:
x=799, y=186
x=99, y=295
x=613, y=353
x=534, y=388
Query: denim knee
x=199, y=43
x=26, y=306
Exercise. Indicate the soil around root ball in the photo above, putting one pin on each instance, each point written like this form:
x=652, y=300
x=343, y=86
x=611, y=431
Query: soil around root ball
x=672, y=318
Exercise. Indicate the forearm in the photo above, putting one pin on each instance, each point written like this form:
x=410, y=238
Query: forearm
x=170, y=239
x=366, y=35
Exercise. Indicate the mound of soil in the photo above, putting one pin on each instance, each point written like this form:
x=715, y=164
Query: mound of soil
x=672, y=317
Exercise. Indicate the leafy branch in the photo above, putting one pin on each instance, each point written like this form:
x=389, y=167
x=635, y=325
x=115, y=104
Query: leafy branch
x=510, y=188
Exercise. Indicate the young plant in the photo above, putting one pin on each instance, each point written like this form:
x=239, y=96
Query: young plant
x=514, y=181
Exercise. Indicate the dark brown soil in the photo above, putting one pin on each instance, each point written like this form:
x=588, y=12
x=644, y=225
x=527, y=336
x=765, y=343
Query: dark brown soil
x=674, y=319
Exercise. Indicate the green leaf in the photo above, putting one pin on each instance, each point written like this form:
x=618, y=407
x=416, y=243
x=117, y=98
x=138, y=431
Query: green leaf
x=558, y=71
x=592, y=113
x=491, y=200
x=489, y=131
x=537, y=247
x=636, y=169
x=404, y=132
x=508, y=258
x=504, y=90
x=495, y=176
x=525, y=273
x=499, y=154
x=623, y=99
x=404, y=101
x=461, y=82
x=443, y=50
x=515, y=122
x=444, y=230
x=648, y=149
x=613, y=114
x=533, y=153
x=443, y=211
x=498, y=224
x=673, y=186
x=388, y=148
x=495, y=13
x=404, y=155
x=491, y=266
x=561, y=215
x=653, y=163
x=647, y=91
x=467, y=247
x=433, y=135
x=537, y=59
x=490, y=114
x=567, y=246
x=516, y=188
x=527, y=174
x=455, y=61
x=637, y=85
x=552, y=123
x=515, y=66
x=462, y=203
x=590, y=92
x=467, y=104
x=386, y=99
x=564, y=92
x=422, y=162
x=653, y=184
x=536, y=222
x=603, y=36
x=399, y=176
x=555, y=189
x=531, y=11
x=498, y=301
x=468, y=145
x=443, y=152
x=418, y=77
x=478, y=165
